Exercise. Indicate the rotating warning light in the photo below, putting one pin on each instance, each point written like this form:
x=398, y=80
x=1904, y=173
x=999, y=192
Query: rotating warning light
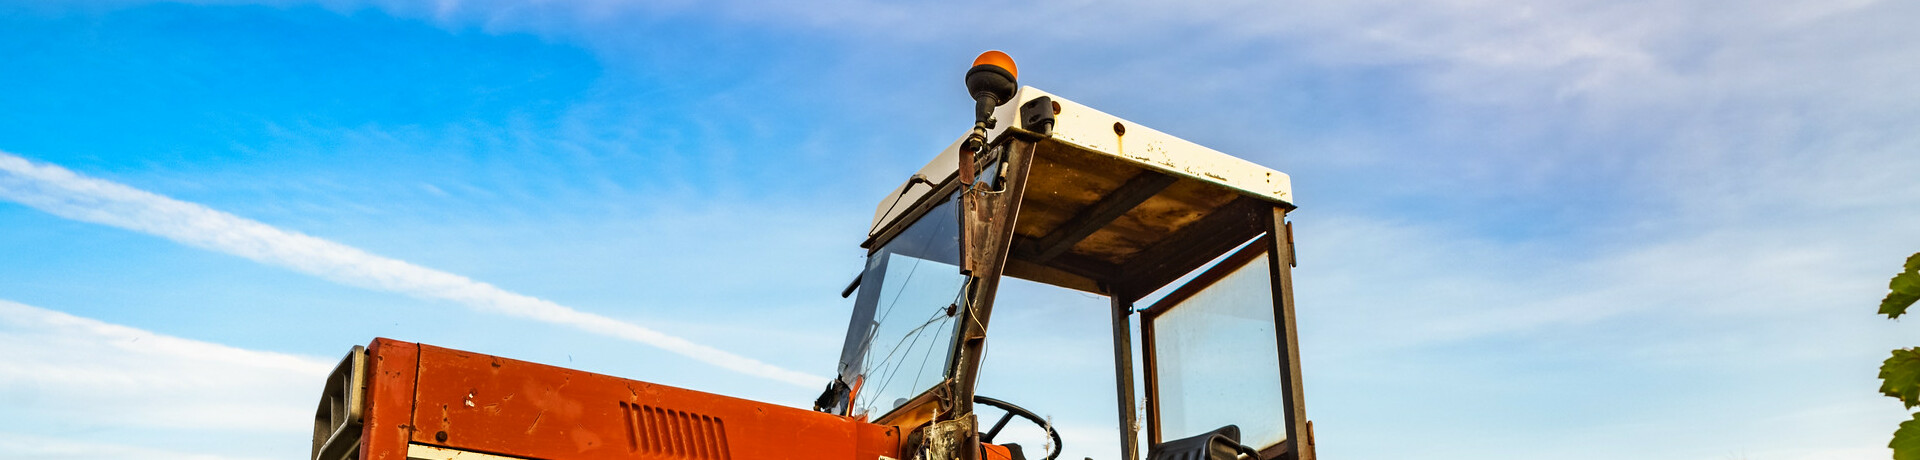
x=991, y=83
x=997, y=58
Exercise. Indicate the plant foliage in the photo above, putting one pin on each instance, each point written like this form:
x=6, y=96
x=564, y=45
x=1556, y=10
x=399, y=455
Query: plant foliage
x=1906, y=440
x=1900, y=374
x=1904, y=290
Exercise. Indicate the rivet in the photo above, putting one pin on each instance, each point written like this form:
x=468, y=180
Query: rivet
x=1119, y=129
x=441, y=436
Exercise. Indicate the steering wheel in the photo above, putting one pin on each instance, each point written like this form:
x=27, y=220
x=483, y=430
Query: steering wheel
x=1013, y=410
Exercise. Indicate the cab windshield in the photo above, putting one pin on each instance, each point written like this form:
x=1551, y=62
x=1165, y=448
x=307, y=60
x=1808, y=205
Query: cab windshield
x=901, y=336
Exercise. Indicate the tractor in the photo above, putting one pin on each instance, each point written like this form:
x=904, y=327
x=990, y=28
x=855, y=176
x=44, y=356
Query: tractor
x=1189, y=245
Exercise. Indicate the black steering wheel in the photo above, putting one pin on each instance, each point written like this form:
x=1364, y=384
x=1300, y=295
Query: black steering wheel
x=1013, y=410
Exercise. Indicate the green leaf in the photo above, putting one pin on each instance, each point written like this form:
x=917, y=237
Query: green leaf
x=1904, y=289
x=1906, y=440
x=1900, y=376
x=1896, y=304
x=1908, y=282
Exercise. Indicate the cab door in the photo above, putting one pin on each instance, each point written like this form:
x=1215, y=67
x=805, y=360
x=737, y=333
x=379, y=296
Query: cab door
x=1219, y=351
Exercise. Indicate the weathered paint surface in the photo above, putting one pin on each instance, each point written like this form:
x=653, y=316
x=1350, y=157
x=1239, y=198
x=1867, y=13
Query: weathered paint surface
x=392, y=366
x=480, y=403
x=1094, y=131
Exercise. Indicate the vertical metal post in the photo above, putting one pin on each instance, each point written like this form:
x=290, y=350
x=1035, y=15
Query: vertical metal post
x=987, y=222
x=1123, y=374
x=1280, y=263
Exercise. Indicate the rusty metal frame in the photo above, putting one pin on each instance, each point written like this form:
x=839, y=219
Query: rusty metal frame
x=987, y=223
x=1280, y=263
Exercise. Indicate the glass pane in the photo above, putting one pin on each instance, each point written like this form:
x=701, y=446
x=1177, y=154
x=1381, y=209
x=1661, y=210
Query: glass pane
x=901, y=335
x=1216, y=362
x=912, y=333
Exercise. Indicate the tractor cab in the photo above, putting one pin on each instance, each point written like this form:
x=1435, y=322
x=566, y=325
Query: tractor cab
x=1047, y=190
x=1190, y=245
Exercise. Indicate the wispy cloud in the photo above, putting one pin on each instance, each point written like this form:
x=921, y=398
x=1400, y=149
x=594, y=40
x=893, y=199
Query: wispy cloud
x=55, y=353
x=66, y=194
x=21, y=447
x=136, y=342
x=83, y=388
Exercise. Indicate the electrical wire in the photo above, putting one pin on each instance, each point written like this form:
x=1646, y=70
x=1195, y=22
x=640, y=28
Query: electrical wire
x=916, y=179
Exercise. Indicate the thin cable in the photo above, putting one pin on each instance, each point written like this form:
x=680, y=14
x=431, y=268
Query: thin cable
x=917, y=179
x=894, y=370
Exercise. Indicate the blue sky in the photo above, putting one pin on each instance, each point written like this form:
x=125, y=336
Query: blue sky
x=1571, y=230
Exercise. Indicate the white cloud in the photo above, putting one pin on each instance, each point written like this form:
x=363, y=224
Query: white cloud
x=75, y=387
x=1722, y=339
x=63, y=193
x=21, y=447
x=1424, y=284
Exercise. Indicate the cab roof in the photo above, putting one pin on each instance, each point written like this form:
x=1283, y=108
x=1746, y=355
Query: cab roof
x=1109, y=201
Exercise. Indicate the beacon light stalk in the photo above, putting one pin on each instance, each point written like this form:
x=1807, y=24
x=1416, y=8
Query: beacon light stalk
x=991, y=83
